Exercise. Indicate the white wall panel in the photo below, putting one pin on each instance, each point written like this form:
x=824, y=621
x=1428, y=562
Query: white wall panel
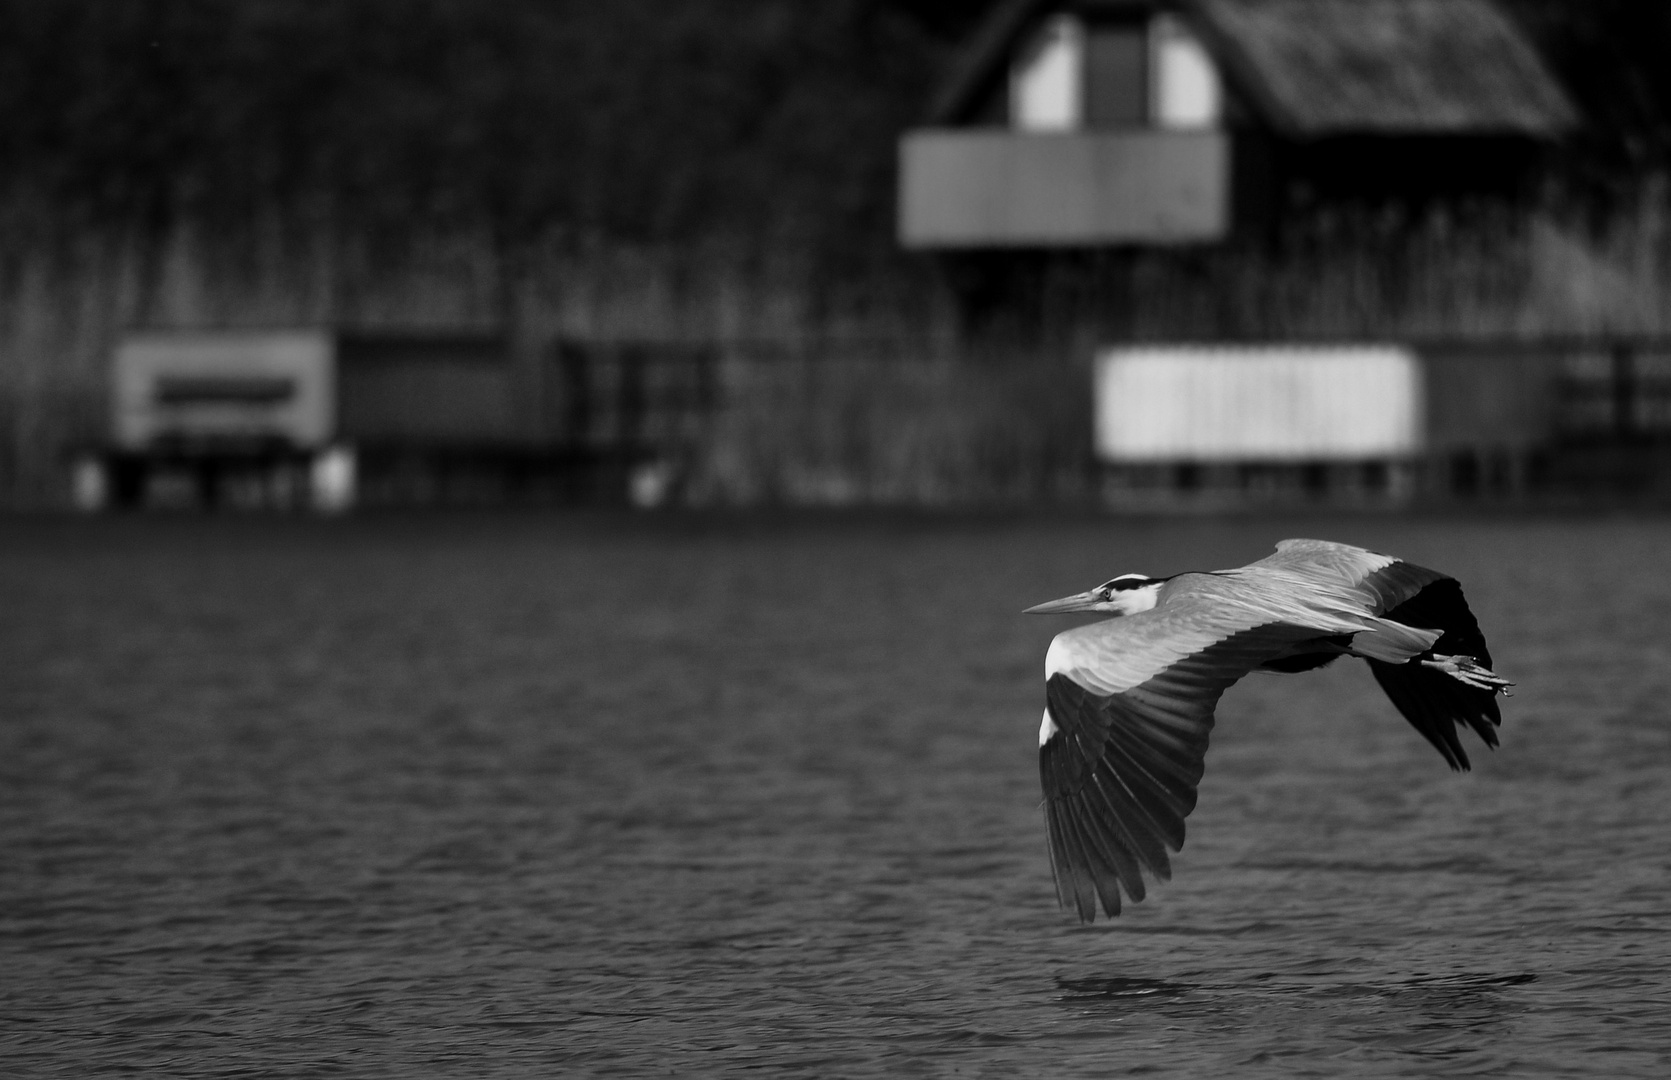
x=1257, y=403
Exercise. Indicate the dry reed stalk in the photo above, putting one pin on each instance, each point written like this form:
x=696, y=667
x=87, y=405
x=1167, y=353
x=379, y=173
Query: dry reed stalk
x=871, y=390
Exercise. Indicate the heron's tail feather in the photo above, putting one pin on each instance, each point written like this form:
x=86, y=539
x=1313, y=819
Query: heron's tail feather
x=1393, y=642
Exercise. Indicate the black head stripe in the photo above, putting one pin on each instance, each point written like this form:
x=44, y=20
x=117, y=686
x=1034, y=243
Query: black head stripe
x=1125, y=582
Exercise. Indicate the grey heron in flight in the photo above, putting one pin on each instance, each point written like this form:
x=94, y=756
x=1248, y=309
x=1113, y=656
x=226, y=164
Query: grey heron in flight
x=1129, y=701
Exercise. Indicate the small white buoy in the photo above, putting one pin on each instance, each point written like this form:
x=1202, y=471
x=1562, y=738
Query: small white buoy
x=333, y=479
x=650, y=484
x=90, y=484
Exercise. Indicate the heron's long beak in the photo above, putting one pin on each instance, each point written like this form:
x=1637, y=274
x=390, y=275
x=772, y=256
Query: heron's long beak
x=1085, y=601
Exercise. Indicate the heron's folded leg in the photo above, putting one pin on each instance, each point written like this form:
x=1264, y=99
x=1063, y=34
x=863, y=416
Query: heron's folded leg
x=1468, y=670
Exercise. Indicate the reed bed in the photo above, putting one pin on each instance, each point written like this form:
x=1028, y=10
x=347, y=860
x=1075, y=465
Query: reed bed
x=878, y=385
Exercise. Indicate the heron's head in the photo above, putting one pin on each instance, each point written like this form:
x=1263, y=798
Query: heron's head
x=1125, y=595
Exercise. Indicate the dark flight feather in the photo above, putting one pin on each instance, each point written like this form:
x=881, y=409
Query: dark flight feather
x=1435, y=703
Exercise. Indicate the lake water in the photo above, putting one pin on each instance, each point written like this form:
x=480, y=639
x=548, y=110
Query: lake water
x=542, y=795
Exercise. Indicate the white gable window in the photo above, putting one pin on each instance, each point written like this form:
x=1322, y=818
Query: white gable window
x=1047, y=81
x=1186, y=93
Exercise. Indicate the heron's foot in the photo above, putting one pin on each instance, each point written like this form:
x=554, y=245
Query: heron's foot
x=1468, y=670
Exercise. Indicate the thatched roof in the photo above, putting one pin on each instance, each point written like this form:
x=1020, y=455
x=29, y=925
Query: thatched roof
x=1325, y=67
x=1312, y=68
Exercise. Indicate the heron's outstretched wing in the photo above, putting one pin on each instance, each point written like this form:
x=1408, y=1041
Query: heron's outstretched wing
x=1129, y=705
x=1434, y=703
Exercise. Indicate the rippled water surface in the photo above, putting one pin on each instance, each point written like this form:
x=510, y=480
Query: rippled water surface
x=591, y=795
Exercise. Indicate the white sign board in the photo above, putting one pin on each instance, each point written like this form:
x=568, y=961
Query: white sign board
x=1257, y=403
x=218, y=384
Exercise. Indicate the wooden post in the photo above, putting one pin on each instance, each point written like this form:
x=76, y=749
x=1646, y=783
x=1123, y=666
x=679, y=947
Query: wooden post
x=1624, y=392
